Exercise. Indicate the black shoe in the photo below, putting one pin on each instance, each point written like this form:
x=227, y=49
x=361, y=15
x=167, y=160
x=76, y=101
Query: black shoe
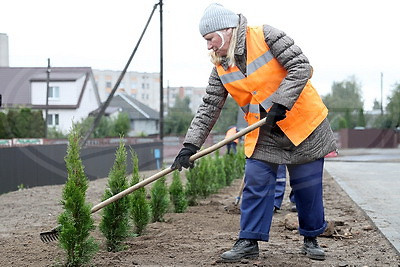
x=242, y=249
x=312, y=250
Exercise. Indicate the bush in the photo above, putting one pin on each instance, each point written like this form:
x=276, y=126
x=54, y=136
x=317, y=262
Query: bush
x=121, y=124
x=22, y=123
x=192, y=191
x=159, y=200
x=220, y=176
x=140, y=208
x=212, y=173
x=115, y=219
x=177, y=193
x=230, y=168
x=76, y=221
x=107, y=127
x=5, y=130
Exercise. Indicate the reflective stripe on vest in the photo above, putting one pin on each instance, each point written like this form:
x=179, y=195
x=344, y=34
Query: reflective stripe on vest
x=264, y=76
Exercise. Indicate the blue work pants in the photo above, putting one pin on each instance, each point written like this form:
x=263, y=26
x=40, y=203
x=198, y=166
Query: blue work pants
x=259, y=192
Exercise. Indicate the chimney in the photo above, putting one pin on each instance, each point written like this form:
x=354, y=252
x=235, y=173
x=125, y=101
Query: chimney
x=4, y=50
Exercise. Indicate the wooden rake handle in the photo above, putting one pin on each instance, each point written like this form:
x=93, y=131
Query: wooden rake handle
x=169, y=170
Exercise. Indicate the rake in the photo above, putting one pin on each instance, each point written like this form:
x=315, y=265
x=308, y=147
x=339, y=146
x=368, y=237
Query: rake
x=239, y=196
x=53, y=234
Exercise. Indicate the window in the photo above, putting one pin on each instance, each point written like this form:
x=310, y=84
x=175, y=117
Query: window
x=54, y=92
x=53, y=120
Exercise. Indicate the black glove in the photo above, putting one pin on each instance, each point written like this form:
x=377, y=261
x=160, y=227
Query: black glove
x=275, y=114
x=182, y=159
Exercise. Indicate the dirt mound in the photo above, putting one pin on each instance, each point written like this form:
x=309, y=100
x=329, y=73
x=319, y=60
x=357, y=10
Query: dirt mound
x=194, y=238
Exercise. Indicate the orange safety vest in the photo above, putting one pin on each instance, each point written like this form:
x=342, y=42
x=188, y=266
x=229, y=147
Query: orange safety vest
x=231, y=132
x=264, y=75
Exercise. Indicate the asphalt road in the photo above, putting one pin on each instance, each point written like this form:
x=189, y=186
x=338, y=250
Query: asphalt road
x=371, y=177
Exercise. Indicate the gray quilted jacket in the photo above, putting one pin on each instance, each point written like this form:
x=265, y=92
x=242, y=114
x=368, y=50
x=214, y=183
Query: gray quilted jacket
x=273, y=146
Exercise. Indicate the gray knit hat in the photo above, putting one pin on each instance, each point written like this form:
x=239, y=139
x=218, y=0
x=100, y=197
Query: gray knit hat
x=216, y=17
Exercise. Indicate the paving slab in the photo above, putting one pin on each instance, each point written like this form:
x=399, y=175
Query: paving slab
x=371, y=177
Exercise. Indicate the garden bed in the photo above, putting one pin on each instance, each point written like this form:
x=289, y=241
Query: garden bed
x=194, y=238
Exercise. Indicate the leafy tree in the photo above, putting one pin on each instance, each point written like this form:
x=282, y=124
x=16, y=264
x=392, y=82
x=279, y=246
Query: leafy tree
x=104, y=128
x=121, y=124
x=393, y=108
x=177, y=193
x=52, y=132
x=349, y=119
x=342, y=123
x=115, y=219
x=344, y=100
x=179, y=117
x=107, y=127
x=159, y=200
x=75, y=221
x=227, y=117
x=361, y=118
x=377, y=105
x=22, y=123
x=140, y=208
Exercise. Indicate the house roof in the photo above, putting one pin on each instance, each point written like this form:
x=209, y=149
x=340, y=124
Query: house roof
x=15, y=85
x=135, y=109
x=58, y=76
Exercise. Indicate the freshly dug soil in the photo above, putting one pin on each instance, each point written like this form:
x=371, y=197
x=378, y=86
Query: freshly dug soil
x=194, y=238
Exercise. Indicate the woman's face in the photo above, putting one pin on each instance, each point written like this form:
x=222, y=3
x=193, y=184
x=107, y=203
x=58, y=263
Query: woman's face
x=219, y=41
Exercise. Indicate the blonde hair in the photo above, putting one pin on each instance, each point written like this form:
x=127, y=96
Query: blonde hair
x=230, y=56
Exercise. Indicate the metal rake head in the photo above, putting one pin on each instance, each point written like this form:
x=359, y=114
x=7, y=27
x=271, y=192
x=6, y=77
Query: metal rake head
x=50, y=236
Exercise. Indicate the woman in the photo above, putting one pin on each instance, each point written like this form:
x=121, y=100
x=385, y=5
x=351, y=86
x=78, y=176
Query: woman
x=268, y=76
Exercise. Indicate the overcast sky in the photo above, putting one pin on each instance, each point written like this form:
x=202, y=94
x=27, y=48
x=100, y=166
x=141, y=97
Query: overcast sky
x=341, y=38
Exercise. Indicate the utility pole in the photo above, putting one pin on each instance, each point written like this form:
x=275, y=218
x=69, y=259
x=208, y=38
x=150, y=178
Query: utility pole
x=121, y=76
x=161, y=74
x=167, y=97
x=47, y=97
x=381, y=93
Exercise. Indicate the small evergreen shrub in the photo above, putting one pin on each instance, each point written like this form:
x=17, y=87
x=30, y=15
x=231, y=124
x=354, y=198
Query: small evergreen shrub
x=177, y=193
x=140, y=208
x=75, y=221
x=159, y=200
x=192, y=191
x=220, y=176
x=115, y=218
x=240, y=161
x=230, y=168
x=206, y=177
x=212, y=173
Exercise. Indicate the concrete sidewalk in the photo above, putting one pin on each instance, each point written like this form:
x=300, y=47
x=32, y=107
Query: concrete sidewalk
x=371, y=177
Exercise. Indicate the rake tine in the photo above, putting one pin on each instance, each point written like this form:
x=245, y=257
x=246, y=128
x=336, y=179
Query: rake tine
x=50, y=236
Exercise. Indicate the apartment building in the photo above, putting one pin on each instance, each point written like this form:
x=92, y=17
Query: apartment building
x=145, y=88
